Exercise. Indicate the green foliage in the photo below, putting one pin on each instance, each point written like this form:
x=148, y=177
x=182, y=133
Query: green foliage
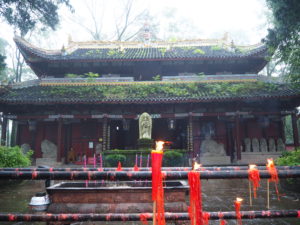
x=172, y=158
x=291, y=158
x=163, y=51
x=113, y=159
x=157, y=77
x=13, y=157
x=127, y=151
x=26, y=15
x=199, y=51
x=145, y=143
x=144, y=90
x=201, y=75
x=112, y=52
x=91, y=75
x=283, y=39
x=216, y=48
x=2, y=67
x=72, y=75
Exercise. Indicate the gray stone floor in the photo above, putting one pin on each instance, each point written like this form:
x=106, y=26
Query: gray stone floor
x=218, y=195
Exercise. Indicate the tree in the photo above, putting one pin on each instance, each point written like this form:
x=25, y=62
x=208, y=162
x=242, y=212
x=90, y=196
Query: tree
x=127, y=17
x=284, y=38
x=2, y=67
x=26, y=15
x=3, y=45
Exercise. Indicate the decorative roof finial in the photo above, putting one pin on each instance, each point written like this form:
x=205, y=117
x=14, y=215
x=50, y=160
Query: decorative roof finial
x=146, y=33
x=69, y=39
x=63, y=50
x=225, y=36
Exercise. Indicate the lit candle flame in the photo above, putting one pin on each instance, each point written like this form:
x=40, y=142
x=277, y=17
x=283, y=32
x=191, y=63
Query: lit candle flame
x=270, y=163
x=196, y=166
x=252, y=167
x=159, y=145
x=239, y=199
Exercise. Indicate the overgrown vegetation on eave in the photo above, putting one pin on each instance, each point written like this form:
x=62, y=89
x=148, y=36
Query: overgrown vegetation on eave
x=158, y=90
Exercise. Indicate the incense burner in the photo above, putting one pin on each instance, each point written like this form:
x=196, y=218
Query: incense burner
x=114, y=197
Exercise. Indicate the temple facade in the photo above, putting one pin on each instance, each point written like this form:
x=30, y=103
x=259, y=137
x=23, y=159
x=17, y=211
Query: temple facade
x=204, y=96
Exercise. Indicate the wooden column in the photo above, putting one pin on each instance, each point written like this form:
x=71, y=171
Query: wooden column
x=238, y=137
x=295, y=130
x=3, y=131
x=104, y=134
x=190, y=134
x=59, y=140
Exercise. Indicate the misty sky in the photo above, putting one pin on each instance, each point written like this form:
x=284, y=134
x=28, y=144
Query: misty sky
x=245, y=20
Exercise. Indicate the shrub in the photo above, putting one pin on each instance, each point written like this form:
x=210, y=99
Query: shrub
x=172, y=158
x=14, y=157
x=145, y=143
x=113, y=159
x=291, y=158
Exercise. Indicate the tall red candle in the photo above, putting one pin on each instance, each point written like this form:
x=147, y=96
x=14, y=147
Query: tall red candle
x=195, y=209
x=274, y=175
x=237, y=205
x=254, y=177
x=157, y=185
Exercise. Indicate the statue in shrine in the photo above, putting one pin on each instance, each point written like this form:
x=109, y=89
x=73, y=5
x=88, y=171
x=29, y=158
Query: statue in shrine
x=210, y=147
x=71, y=155
x=145, y=125
x=247, y=142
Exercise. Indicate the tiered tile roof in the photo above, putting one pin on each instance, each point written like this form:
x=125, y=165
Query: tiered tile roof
x=135, y=51
x=148, y=92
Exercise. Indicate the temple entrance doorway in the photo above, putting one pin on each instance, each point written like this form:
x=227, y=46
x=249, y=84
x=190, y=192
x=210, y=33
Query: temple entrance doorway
x=171, y=130
x=123, y=134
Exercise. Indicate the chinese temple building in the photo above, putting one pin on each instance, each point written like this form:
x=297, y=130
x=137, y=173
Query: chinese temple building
x=204, y=96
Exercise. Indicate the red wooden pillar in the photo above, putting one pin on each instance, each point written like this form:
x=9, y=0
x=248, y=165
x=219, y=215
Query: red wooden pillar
x=3, y=131
x=104, y=134
x=190, y=135
x=59, y=140
x=295, y=130
x=238, y=137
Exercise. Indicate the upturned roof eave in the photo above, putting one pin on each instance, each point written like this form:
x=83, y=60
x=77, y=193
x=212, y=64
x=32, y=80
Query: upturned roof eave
x=40, y=55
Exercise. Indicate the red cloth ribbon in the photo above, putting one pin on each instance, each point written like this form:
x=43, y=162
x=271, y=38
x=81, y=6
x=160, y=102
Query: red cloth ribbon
x=206, y=217
x=144, y=217
x=195, y=209
x=119, y=166
x=157, y=186
x=136, y=168
x=222, y=221
x=254, y=177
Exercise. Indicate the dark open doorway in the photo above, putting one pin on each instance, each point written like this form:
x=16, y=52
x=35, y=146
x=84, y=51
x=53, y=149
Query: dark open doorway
x=123, y=134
